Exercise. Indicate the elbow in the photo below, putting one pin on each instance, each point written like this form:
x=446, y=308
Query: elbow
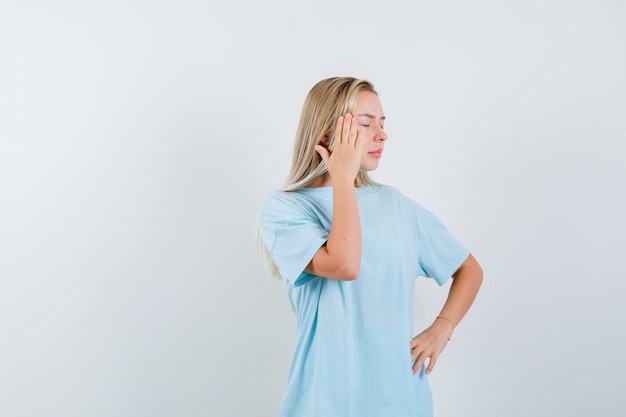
x=342, y=272
x=351, y=267
x=348, y=272
x=351, y=275
x=337, y=267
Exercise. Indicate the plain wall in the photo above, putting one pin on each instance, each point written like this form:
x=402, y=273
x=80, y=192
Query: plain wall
x=137, y=138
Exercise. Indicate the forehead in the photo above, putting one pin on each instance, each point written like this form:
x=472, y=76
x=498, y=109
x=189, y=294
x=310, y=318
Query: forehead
x=368, y=102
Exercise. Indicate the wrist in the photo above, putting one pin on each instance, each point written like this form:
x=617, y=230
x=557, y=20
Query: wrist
x=444, y=318
x=344, y=183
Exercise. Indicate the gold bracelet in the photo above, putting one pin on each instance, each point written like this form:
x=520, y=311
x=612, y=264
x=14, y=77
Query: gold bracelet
x=445, y=318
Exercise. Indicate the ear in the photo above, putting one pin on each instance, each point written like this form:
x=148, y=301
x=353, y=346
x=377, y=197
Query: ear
x=324, y=141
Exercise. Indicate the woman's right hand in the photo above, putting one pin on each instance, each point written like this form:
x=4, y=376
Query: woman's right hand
x=340, y=257
x=344, y=162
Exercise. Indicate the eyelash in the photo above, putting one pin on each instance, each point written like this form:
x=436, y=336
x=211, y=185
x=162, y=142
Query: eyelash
x=382, y=127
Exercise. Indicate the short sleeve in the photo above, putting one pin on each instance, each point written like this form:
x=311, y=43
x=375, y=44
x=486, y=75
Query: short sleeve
x=440, y=253
x=292, y=235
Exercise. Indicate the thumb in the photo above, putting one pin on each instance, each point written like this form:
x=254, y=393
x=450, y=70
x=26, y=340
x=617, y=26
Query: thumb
x=324, y=153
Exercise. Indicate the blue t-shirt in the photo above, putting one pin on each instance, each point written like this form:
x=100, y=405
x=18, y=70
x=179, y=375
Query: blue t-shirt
x=351, y=355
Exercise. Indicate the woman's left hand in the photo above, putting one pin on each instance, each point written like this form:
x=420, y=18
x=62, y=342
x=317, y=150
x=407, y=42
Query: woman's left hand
x=429, y=344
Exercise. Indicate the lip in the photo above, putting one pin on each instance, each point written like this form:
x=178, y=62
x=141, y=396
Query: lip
x=377, y=153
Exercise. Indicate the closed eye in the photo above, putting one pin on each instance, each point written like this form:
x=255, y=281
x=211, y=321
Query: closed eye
x=364, y=125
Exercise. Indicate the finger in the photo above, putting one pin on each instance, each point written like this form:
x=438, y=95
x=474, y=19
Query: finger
x=347, y=123
x=323, y=153
x=431, y=364
x=338, y=129
x=419, y=362
x=353, y=135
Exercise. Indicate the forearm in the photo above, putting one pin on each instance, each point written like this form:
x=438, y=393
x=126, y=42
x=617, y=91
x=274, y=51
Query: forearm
x=465, y=285
x=340, y=257
x=344, y=239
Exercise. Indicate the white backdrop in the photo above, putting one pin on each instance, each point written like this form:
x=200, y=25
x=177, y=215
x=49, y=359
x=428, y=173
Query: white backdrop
x=137, y=138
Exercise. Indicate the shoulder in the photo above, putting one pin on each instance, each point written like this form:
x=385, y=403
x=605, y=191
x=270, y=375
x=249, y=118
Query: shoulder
x=276, y=201
x=283, y=199
x=391, y=195
x=398, y=202
x=273, y=198
x=283, y=205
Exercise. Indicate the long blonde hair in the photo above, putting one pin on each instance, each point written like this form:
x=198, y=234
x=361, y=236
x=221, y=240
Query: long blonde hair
x=327, y=100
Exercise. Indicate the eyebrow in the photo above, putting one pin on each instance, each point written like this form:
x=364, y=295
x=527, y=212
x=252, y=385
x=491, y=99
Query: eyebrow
x=370, y=116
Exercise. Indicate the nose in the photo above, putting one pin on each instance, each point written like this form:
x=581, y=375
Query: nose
x=381, y=135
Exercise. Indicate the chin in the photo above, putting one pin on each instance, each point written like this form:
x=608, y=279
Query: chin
x=369, y=163
x=368, y=168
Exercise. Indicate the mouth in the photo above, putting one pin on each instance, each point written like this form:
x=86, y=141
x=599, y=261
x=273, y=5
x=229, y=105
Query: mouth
x=377, y=153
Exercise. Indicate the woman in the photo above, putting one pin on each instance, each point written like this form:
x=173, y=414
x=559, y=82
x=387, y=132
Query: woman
x=349, y=251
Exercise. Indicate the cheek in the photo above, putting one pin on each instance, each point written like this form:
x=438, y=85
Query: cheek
x=365, y=134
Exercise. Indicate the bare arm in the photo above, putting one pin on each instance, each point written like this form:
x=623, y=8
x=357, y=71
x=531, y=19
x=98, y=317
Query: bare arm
x=340, y=257
x=430, y=343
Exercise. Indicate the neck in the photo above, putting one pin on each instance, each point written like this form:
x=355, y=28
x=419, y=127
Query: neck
x=324, y=180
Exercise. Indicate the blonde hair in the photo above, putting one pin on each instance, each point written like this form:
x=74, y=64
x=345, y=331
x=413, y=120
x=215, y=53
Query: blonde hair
x=327, y=100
